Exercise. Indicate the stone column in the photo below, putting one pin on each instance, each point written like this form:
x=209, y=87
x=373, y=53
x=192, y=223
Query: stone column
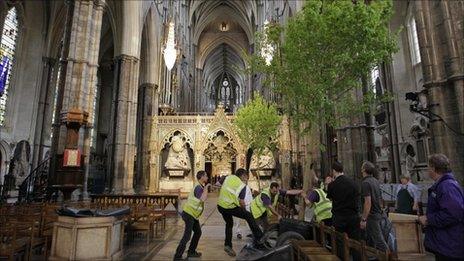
x=147, y=93
x=44, y=111
x=124, y=123
x=154, y=158
x=80, y=81
x=441, y=48
x=355, y=141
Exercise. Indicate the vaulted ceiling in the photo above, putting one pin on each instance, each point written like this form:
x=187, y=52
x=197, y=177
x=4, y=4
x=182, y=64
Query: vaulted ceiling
x=221, y=51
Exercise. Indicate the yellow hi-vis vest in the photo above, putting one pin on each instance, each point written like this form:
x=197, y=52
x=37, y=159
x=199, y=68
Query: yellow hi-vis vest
x=323, y=208
x=230, y=190
x=194, y=206
x=257, y=206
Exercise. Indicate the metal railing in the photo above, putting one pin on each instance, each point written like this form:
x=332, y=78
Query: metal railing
x=34, y=187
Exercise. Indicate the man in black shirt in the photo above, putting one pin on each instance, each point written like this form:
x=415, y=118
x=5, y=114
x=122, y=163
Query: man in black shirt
x=344, y=193
x=372, y=211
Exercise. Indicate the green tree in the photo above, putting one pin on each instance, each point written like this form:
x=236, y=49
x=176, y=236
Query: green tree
x=322, y=55
x=257, y=125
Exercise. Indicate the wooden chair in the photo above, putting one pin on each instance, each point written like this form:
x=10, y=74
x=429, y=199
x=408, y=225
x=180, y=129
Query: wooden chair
x=311, y=250
x=330, y=231
x=159, y=215
x=375, y=253
x=12, y=245
x=30, y=226
x=141, y=222
x=351, y=244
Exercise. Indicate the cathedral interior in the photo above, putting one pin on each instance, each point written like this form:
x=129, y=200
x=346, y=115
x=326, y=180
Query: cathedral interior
x=135, y=97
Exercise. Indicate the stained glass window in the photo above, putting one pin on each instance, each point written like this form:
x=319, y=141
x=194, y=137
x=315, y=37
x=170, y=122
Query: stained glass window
x=7, y=54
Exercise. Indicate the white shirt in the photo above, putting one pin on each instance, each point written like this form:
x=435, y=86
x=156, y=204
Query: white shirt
x=248, y=198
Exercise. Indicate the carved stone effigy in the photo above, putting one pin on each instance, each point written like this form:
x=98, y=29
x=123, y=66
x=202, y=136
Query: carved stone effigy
x=178, y=159
x=264, y=164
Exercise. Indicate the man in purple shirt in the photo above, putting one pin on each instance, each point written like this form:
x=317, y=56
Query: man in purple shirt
x=269, y=198
x=192, y=210
x=444, y=222
x=313, y=198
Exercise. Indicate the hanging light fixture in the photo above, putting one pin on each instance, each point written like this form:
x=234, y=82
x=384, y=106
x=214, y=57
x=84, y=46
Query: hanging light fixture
x=170, y=52
x=267, y=50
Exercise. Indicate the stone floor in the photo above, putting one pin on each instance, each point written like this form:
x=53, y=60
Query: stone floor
x=211, y=243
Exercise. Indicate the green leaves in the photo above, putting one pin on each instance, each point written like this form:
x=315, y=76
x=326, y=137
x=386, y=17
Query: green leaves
x=326, y=50
x=257, y=123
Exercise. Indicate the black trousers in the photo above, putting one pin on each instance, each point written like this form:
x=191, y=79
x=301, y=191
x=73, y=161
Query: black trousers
x=263, y=221
x=440, y=257
x=239, y=212
x=191, y=224
x=350, y=226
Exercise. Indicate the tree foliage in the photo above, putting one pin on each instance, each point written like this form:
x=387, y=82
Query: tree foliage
x=257, y=123
x=322, y=54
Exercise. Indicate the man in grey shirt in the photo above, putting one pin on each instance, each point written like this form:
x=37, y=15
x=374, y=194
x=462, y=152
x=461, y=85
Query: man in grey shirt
x=372, y=211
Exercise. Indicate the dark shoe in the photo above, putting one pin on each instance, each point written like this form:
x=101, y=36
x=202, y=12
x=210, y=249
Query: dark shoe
x=249, y=235
x=177, y=258
x=261, y=241
x=260, y=246
x=239, y=236
x=229, y=251
x=194, y=254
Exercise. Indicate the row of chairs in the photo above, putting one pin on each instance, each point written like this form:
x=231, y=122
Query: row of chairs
x=318, y=249
x=25, y=230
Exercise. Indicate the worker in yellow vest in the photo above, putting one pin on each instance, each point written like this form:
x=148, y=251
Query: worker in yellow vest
x=192, y=211
x=264, y=205
x=317, y=199
x=231, y=204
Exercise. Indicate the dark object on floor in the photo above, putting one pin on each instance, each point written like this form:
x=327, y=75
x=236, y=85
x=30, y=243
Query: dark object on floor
x=250, y=252
x=285, y=238
x=75, y=212
x=302, y=227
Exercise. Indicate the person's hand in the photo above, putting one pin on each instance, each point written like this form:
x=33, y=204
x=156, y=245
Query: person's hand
x=415, y=207
x=423, y=220
x=362, y=224
x=208, y=185
x=328, y=180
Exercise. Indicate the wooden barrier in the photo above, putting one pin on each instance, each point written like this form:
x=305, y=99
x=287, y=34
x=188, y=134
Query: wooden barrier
x=161, y=200
x=317, y=249
x=408, y=236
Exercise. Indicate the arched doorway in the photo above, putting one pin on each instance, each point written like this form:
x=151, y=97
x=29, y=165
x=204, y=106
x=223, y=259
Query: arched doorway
x=220, y=155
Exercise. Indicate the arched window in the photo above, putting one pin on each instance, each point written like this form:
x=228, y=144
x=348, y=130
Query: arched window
x=7, y=54
x=413, y=41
